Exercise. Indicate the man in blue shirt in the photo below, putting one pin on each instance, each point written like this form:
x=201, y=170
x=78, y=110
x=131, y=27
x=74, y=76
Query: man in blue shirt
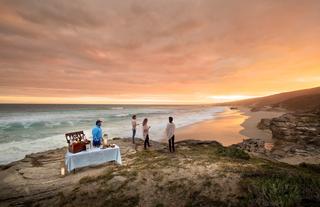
x=97, y=134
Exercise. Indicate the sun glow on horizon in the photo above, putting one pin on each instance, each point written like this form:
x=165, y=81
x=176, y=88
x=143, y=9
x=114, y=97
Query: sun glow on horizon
x=142, y=52
x=136, y=100
x=227, y=98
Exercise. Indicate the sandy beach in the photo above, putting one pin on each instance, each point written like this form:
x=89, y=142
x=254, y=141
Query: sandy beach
x=250, y=129
x=230, y=127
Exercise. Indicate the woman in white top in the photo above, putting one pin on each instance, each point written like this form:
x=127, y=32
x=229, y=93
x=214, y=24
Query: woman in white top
x=145, y=133
x=170, y=130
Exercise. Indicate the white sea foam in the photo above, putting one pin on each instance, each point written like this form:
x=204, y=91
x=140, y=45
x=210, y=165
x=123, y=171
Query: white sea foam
x=25, y=133
x=117, y=108
x=122, y=115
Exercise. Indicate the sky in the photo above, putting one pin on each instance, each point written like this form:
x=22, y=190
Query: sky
x=156, y=52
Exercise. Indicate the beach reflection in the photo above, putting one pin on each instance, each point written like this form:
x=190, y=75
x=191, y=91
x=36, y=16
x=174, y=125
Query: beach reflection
x=224, y=129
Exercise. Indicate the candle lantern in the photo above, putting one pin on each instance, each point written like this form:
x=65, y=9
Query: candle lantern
x=62, y=169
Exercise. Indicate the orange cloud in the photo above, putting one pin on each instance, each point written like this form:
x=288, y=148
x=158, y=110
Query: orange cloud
x=156, y=51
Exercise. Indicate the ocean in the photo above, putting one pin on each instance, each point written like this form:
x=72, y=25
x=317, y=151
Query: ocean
x=30, y=128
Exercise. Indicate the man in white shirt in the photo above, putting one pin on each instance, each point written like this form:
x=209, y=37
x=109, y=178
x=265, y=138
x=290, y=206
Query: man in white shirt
x=134, y=127
x=170, y=130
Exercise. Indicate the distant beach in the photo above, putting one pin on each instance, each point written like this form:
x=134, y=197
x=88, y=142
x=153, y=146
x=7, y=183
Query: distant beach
x=229, y=127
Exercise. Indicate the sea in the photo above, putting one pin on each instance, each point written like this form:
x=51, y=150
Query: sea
x=30, y=128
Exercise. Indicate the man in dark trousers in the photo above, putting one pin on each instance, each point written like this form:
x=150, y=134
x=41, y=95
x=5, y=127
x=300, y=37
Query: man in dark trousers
x=170, y=130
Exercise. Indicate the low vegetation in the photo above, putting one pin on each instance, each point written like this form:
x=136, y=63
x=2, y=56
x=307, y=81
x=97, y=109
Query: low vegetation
x=199, y=174
x=233, y=152
x=282, y=190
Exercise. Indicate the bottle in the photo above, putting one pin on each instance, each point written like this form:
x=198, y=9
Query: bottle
x=105, y=140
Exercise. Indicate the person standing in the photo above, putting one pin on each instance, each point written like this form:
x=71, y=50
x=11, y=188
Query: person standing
x=170, y=130
x=97, y=134
x=145, y=132
x=134, y=127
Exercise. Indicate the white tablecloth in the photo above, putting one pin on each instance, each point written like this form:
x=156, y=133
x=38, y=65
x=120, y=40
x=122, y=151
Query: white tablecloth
x=93, y=156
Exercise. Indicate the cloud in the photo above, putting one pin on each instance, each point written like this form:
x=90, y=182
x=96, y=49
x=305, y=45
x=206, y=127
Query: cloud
x=139, y=48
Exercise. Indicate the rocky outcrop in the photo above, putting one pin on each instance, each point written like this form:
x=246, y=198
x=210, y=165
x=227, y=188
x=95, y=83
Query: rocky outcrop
x=296, y=138
x=264, y=124
x=252, y=145
x=287, y=152
x=301, y=128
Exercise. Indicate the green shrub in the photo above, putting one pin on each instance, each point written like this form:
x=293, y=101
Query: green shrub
x=282, y=190
x=233, y=152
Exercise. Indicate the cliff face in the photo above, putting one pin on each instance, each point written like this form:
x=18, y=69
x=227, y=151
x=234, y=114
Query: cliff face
x=296, y=136
x=302, y=128
x=200, y=173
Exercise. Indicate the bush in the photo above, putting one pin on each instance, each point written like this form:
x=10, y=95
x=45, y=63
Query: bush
x=233, y=152
x=282, y=190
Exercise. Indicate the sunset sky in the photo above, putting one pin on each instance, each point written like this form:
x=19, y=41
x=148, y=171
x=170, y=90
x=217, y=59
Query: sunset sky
x=152, y=51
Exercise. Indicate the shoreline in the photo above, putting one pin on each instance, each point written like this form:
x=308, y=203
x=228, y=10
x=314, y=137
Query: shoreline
x=230, y=127
x=43, y=128
x=250, y=128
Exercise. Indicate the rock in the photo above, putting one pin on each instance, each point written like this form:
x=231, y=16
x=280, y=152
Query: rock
x=279, y=153
x=252, y=145
x=264, y=124
x=303, y=128
x=297, y=136
x=301, y=152
x=117, y=181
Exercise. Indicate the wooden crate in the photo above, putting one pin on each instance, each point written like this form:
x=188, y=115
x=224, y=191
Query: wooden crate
x=77, y=140
x=77, y=147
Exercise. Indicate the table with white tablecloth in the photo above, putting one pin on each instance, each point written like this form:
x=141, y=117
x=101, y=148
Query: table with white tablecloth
x=94, y=156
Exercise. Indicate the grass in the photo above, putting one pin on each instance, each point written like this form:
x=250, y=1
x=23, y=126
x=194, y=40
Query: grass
x=122, y=201
x=233, y=152
x=281, y=188
x=119, y=193
x=179, y=186
x=196, y=199
x=213, y=153
x=106, y=176
x=152, y=159
x=311, y=167
x=262, y=182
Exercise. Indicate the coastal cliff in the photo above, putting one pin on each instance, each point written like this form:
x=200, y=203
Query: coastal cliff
x=303, y=128
x=296, y=136
x=200, y=173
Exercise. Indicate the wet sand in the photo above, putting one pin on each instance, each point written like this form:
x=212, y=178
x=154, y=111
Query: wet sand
x=250, y=129
x=230, y=127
